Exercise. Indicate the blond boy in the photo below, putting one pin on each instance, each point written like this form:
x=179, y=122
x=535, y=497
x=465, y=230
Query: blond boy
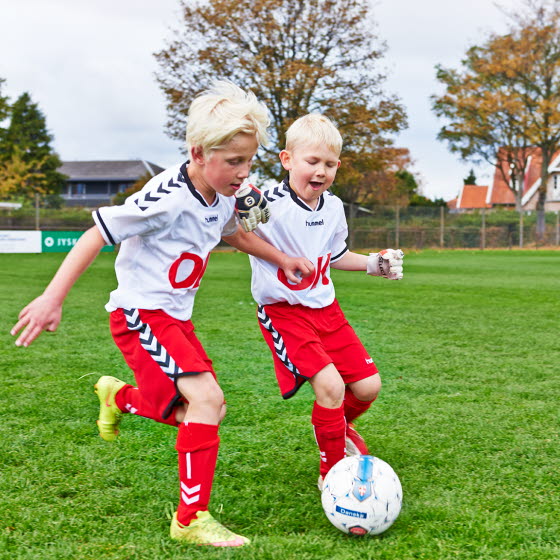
x=166, y=232
x=308, y=335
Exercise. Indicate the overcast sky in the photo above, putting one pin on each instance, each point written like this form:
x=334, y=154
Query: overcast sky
x=89, y=66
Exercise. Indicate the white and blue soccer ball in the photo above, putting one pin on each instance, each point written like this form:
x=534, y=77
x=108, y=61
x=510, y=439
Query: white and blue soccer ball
x=362, y=495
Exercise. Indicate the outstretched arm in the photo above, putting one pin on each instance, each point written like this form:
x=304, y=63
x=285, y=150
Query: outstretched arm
x=387, y=263
x=295, y=268
x=44, y=312
x=351, y=261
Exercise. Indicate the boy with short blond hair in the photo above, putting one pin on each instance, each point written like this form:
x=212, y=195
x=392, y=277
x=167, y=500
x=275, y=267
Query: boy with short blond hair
x=308, y=335
x=166, y=232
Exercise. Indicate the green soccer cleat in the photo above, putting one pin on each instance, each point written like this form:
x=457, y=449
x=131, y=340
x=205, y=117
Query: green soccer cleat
x=110, y=414
x=205, y=530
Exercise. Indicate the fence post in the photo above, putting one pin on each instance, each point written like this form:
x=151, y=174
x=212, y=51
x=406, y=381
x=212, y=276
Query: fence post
x=441, y=227
x=521, y=228
x=557, y=227
x=397, y=226
x=483, y=232
x=37, y=211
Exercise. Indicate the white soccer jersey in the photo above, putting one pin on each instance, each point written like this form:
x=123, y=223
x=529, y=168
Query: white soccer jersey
x=166, y=231
x=297, y=230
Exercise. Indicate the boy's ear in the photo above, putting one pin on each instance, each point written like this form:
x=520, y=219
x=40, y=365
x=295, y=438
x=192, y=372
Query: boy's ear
x=197, y=155
x=285, y=159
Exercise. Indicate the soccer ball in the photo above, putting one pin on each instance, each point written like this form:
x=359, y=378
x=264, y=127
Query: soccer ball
x=362, y=495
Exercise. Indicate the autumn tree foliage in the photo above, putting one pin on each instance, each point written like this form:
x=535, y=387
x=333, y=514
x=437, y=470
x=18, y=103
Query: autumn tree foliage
x=505, y=100
x=297, y=56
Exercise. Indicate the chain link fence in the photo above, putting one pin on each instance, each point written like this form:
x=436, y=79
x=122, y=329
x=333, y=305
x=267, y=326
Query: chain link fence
x=378, y=227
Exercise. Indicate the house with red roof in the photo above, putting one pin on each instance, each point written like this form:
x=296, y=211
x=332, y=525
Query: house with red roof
x=500, y=195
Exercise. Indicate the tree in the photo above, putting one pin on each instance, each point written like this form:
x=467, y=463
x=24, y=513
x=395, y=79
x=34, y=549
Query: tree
x=27, y=139
x=532, y=59
x=138, y=185
x=506, y=101
x=298, y=56
x=4, y=111
x=19, y=179
x=470, y=179
x=486, y=122
x=4, y=105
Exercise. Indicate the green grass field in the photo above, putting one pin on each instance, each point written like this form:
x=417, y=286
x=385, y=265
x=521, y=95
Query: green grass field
x=469, y=351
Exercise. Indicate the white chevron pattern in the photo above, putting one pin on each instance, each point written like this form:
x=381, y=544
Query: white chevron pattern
x=186, y=493
x=151, y=344
x=279, y=345
x=143, y=202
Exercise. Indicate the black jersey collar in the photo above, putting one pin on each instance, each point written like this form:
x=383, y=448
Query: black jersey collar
x=192, y=188
x=298, y=200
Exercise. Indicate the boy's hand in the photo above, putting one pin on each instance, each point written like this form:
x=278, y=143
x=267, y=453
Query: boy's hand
x=387, y=263
x=296, y=268
x=42, y=314
x=251, y=207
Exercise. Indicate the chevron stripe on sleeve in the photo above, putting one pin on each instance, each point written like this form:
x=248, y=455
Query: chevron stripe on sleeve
x=154, y=195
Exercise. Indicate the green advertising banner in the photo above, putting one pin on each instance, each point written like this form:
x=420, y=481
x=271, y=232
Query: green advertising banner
x=63, y=241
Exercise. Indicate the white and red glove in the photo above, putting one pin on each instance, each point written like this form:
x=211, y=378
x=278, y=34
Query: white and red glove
x=251, y=207
x=387, y=263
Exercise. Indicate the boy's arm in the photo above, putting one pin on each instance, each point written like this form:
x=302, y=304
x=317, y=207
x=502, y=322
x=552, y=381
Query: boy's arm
x=387, y=263
x=45, y=311
x=295, y=268
x=351, y=261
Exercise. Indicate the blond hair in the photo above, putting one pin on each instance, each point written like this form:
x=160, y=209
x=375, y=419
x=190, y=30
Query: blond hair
x=224, y=110
x=313, y=129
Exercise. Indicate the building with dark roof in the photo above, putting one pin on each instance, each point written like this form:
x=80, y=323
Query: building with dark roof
x=94, y=183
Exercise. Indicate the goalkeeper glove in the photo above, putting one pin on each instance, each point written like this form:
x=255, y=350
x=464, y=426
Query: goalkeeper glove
x=387, y=263
x=251, y=207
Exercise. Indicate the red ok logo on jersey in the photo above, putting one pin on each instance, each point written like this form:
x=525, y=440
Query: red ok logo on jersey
x=321, y=269
x=195, y=275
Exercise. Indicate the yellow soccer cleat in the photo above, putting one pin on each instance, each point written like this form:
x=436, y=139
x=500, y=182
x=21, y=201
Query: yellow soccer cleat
x=110, y=414
x=205, y=530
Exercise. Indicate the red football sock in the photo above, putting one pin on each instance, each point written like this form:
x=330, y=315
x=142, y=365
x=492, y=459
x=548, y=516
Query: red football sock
x=129, y=399
x=197, y=447
x=330, y=431
x=354, y=407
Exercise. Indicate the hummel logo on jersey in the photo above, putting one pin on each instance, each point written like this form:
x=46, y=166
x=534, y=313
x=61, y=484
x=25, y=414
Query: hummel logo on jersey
x=315, y=223
x=211, y=219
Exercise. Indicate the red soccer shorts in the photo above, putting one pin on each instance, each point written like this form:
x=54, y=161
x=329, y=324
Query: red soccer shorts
x=304, y=340
x=159, y=349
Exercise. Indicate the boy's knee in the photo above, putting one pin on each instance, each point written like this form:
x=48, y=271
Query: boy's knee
x=213, y=396
x=202, y=390
x=367, y=389
x=329, y=390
